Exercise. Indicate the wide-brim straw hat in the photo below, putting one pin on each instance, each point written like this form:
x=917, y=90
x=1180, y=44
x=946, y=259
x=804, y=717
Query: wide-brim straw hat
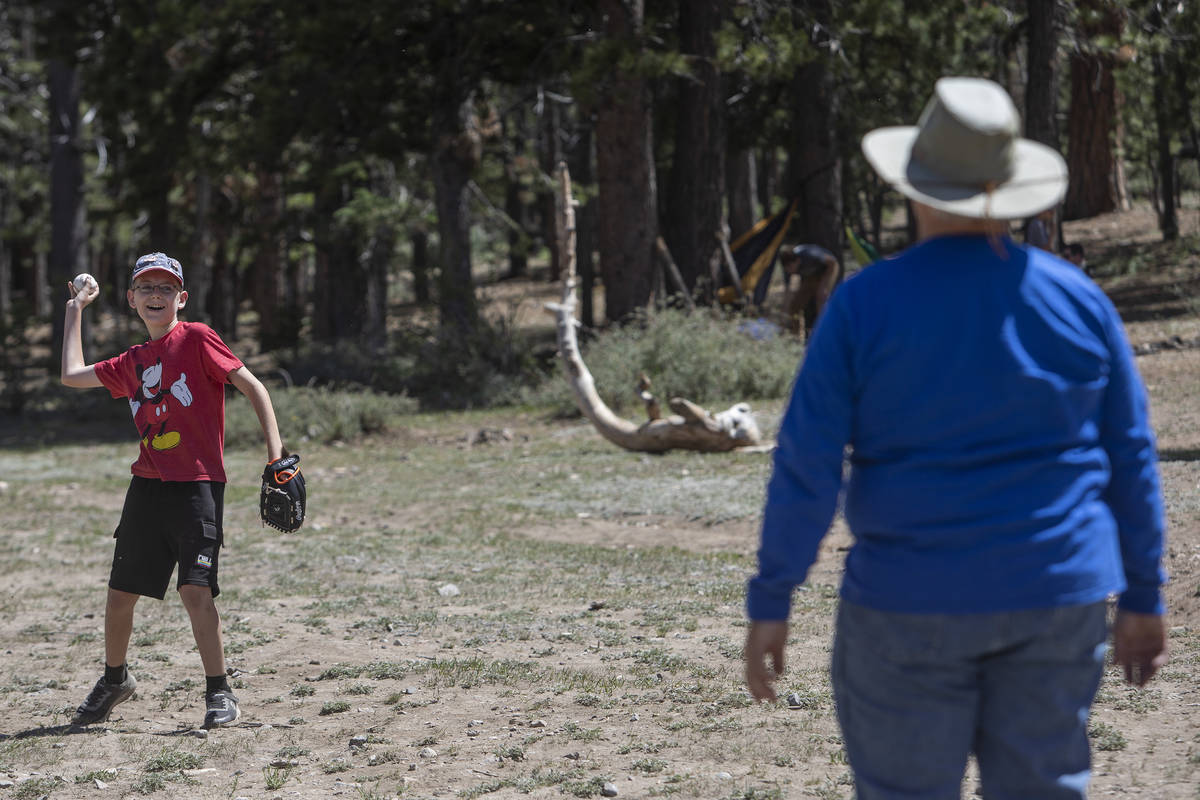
x=965, y=157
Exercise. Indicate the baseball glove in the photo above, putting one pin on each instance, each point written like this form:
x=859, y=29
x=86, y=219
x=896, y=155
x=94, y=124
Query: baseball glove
x=282, y=500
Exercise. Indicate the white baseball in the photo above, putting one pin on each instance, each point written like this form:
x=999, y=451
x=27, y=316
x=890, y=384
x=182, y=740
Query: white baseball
x=84, y=279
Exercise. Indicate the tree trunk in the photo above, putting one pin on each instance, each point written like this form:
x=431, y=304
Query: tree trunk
x=379, y=258
x=767, y=173
x=696, y=196
x=1168, y=220
x=6, y=276
x=1092, y=124
x=741, y=185
x=550, y=154
x=585, y=222
x=514, y=206
x=627, y=203
x=340, y=286
x=222, y=300
x=200, y=268
x=1041, y=87
x=420, y=264
x=67, y=236
x=814, y=164
x=267, y=271
x=456, y=154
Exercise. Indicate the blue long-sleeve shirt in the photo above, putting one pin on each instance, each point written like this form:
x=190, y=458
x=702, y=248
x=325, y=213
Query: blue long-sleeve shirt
x=1001, y=455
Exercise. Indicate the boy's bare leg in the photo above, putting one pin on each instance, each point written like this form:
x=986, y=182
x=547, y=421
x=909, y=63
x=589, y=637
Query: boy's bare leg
x=206, y=627
x=118, y=626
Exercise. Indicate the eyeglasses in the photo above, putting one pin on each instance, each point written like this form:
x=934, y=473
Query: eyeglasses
x=147, y=289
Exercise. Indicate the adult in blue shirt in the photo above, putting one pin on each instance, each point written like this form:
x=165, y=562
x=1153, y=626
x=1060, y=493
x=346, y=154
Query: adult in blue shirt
x=1002, y=480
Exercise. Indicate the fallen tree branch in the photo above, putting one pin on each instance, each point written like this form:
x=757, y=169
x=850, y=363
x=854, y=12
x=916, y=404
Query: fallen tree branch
x=689, y=428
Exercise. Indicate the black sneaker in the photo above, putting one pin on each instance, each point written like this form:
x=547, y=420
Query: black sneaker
x=220, y=708
x=103, y=698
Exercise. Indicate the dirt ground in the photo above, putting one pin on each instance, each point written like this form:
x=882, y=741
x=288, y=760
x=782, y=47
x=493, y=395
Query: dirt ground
x=540, y=615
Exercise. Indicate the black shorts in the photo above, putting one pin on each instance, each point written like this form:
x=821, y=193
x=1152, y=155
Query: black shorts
x=164, y=524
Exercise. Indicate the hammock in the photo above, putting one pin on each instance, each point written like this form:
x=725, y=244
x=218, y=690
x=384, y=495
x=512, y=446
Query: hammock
x=754, y=256
x=861, y=249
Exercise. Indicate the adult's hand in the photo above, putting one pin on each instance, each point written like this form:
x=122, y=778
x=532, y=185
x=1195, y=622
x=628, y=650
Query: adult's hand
x=1139, y=645
x=765, y=638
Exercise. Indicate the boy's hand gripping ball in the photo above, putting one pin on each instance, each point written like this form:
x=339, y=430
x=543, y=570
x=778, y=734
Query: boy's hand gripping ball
x=282, y=500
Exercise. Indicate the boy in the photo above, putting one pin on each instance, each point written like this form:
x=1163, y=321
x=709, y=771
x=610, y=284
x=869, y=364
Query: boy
x=175, y=384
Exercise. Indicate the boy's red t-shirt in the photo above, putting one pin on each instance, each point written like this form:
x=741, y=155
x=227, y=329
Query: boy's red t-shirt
x=176, y=391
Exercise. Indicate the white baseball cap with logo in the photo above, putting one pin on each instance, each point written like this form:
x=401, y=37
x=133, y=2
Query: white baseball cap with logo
x=157, y=262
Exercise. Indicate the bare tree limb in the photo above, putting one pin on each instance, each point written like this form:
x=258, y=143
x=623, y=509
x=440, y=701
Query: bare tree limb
x=689, y=428
x=664, y=254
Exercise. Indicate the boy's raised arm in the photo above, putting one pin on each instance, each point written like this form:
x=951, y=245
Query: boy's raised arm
x=257, y=394
x=75, y=372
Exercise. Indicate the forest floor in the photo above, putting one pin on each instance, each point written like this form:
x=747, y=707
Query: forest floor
x=499, y=604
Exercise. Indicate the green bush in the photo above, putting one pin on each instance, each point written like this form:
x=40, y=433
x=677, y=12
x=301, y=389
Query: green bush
x=315, y=414
x=441, y=371
x=706, y=356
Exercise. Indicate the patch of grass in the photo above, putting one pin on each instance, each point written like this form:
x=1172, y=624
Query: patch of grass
x=292, y=751
x=511, y=753
x=96, y=774
x=649, y=766
x=35, y=788
x=335, y=766
x=276, y=777
x=576, y=733
x=1105, y=737
x=171, y=759
x=334, y=707
x=303, y=690
x=148, y=784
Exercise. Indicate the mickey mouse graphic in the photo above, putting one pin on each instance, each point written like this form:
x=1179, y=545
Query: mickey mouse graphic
x=152, y=404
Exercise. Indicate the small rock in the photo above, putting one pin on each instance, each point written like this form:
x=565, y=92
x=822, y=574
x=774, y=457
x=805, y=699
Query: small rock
x=723, y=776
x=609, y=789
x=196, y=773
x=358, y=742
x=428, y=752
x=198, y=733
x=100, y=784
x=573, y=756
x=284, y=763
x=634, y=717
x=794, y=700
x=412, y=766
x=58, y=745
x=409, y=690
x=314, y=661
x=3, y=487
x=449, y=590
x=7, y=784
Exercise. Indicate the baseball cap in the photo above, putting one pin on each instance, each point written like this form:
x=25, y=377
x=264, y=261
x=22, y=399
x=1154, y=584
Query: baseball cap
x=157, y=262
